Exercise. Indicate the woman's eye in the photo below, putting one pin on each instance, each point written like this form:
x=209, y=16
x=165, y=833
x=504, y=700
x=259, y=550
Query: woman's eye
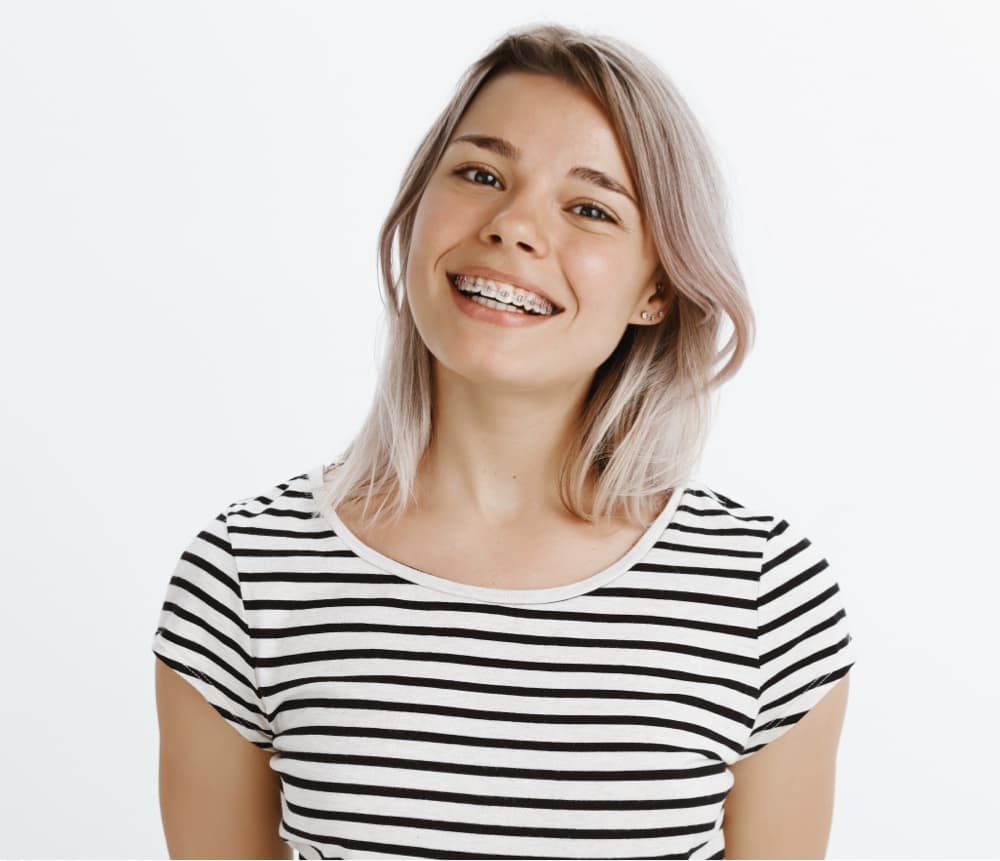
x=603, y=215
x=462, y=171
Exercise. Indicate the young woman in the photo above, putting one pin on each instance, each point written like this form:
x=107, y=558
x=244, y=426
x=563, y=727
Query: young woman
x=507, y=621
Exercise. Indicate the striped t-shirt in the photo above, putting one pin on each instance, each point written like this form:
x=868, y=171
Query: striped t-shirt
x=413, y=716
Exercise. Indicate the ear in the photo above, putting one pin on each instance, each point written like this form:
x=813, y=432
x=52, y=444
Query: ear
x=654, y=303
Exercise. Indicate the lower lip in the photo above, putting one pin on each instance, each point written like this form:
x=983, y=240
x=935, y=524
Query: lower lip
x=492, y=315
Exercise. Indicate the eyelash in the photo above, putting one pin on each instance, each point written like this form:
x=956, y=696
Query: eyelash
x=607, y=216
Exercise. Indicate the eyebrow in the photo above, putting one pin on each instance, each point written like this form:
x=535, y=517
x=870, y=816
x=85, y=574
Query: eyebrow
x=505, y=149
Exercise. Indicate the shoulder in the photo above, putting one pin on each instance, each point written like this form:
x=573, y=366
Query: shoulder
x=292, y=497
x=726, y=511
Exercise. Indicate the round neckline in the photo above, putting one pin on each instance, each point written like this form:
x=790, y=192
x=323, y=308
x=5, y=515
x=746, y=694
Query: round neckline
x=490, y=594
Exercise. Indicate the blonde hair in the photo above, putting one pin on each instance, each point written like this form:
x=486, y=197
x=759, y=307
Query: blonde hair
x=647, y=414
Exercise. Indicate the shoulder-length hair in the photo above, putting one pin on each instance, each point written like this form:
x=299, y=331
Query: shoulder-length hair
x=647, y=413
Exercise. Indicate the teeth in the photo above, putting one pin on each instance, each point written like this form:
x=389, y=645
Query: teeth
x=500, y=306
x=499, y=291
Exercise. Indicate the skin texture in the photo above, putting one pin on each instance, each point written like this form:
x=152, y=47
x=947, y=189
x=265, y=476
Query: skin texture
x=781, y=805
x=507, y=397
x=219, y=798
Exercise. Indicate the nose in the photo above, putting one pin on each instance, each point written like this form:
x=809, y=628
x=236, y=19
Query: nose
x=515, y=225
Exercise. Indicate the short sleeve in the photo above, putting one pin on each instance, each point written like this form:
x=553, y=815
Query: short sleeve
x=203, y=633
x=803, y=640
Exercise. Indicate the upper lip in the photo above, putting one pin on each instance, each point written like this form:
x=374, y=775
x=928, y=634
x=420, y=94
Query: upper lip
x=514, y=281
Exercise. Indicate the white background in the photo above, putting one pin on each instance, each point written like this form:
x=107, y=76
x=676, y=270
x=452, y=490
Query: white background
x=190, y=194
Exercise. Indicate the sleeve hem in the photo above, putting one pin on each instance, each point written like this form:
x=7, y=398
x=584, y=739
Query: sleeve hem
x=806, y=699
x=220, y=699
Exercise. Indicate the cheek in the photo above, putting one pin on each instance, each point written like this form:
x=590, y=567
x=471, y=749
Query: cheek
x=430, y=238
x=598, y=275
x=437, y=218
x=433, y=236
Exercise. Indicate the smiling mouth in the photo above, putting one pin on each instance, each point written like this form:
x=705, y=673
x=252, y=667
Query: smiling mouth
x=496, y=302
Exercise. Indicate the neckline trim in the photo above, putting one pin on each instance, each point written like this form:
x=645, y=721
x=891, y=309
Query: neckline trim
x=490, y=594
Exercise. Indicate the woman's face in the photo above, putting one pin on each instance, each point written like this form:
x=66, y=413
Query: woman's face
x=523, y=207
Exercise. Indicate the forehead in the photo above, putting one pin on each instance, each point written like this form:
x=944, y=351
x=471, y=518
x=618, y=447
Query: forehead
x=548, y=119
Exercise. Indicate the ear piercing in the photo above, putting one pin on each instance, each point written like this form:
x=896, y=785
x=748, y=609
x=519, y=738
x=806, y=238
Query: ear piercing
x=645, y=314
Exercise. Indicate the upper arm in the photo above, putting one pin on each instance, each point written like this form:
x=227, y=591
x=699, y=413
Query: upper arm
x=781, y=804
x=219, y=797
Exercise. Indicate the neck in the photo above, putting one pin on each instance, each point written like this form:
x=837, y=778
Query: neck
x=495, y=454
